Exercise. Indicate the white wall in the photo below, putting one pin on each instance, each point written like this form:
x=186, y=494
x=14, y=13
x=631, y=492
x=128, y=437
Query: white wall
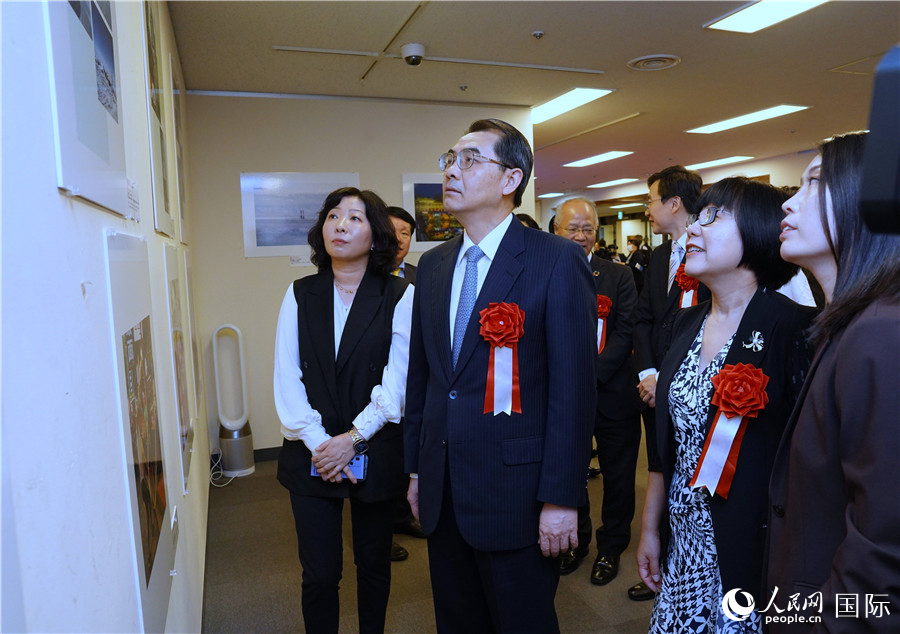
x=68, y=549
x=381, y=141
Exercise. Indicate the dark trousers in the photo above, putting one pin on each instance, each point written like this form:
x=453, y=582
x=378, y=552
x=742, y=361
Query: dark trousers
x=479, y=592
x=618, y=445
x=320, y=543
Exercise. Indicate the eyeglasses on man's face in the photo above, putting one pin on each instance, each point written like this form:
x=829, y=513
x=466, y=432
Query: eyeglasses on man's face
x=465, y=159
x=587, y=232
x=649, y=202
x=707, y=216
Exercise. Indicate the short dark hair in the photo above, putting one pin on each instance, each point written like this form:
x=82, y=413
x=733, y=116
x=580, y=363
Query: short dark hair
x=757, y=211
x=401, y=214
x=384, y=238
x=551, y=226
x=679, y=181
x=528, y=221
x=868, y=263
x=512, y=149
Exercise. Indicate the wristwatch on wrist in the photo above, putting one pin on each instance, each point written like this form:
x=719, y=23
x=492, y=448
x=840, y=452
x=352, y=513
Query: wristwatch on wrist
x=360, y=446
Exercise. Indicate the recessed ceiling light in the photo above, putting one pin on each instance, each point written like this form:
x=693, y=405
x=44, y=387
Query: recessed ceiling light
x=551, y=195
x=722, y=161
x=621, y=181
x=628, y=205
x=600, y=158
x=753, y=117
x=569, y=101
x=763, y=14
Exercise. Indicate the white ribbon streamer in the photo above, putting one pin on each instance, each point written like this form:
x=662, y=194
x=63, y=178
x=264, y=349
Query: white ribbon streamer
x=687, y=297
x=503, y=380
x=600, y=322
x=712, y=462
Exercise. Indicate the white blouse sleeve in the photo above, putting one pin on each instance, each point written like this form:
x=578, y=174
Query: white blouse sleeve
x=299, y=421
x=389, y=398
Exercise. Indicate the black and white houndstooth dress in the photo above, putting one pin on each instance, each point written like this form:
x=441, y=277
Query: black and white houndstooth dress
x=690, y=601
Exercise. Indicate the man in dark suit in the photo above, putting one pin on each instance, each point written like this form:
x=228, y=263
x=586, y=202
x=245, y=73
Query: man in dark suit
x=497, y=473
x=672, y=198
x=405, y=227
x=617, y=426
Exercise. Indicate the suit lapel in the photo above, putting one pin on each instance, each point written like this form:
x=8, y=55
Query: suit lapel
x=756, y=319
x=441, y=286
x=505, y=269
x=318, y=313
x=365, y=305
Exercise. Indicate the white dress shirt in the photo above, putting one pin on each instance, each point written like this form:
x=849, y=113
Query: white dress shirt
x=299, y=421
x=488, y=245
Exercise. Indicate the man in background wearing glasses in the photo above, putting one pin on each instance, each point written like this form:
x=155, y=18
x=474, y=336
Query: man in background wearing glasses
x=496, y=479
x=672, y=199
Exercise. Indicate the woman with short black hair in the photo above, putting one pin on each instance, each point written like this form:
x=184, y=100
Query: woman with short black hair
x=725, y=391
x=341, y=356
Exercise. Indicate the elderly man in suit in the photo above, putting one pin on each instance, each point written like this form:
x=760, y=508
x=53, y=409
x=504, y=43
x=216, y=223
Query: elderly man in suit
x=672, y=199
x=500, y=396
x=617, y=426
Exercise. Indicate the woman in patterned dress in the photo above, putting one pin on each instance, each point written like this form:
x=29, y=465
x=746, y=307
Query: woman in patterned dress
x=729, y=381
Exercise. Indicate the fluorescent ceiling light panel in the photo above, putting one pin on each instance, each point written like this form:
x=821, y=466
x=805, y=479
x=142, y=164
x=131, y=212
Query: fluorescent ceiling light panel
x=628, y=205
x=569, y=101
x=600, y=158
x=747, y=119
x=722, y=161
x=761, y=15
x=551, y=195
x=621, y=181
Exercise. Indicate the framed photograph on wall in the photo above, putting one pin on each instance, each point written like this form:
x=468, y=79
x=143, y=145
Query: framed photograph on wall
x=163, y=216
x=195, y=344
x=136, y=376
x=279, y=209
x=423, y=198
x=178, y=338
x=177, y=100
x=86, y=100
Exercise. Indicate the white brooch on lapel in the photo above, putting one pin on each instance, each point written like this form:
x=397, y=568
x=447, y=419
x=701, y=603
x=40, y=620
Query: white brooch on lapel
x=756, y=342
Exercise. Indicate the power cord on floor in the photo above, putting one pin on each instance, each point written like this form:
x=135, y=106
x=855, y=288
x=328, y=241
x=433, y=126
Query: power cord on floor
x=216, y=475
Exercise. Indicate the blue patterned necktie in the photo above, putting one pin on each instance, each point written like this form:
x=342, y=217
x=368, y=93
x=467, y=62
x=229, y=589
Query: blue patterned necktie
x=467, y=298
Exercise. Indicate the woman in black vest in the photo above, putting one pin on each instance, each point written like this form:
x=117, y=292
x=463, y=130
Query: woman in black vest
x=341, y=354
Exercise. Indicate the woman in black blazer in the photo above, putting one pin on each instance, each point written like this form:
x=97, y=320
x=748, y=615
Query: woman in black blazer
x=341, y=356
x=835, y=497
x=725, y=390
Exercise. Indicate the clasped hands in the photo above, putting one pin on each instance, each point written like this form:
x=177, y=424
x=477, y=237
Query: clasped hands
x=647, y=390
x=332, y=458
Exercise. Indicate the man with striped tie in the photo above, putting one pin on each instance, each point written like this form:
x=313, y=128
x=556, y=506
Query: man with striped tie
x=500, y=395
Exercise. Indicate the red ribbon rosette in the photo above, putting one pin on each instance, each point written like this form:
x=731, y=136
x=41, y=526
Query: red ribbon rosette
x=740, y=394
x=688, y=286
x=502, y=325
x=604, y=306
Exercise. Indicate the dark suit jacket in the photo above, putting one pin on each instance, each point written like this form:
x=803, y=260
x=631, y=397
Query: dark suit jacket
x=656, y=310
x=617, y=396
x=409, y=273
x=341, y=388
x=835, y=513
x=739, y=522
x=503, y=468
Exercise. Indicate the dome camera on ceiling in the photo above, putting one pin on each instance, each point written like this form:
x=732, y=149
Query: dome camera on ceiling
x=413, y=54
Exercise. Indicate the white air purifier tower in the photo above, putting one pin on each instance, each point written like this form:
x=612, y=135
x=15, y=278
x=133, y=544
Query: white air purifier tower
x=235, y=437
